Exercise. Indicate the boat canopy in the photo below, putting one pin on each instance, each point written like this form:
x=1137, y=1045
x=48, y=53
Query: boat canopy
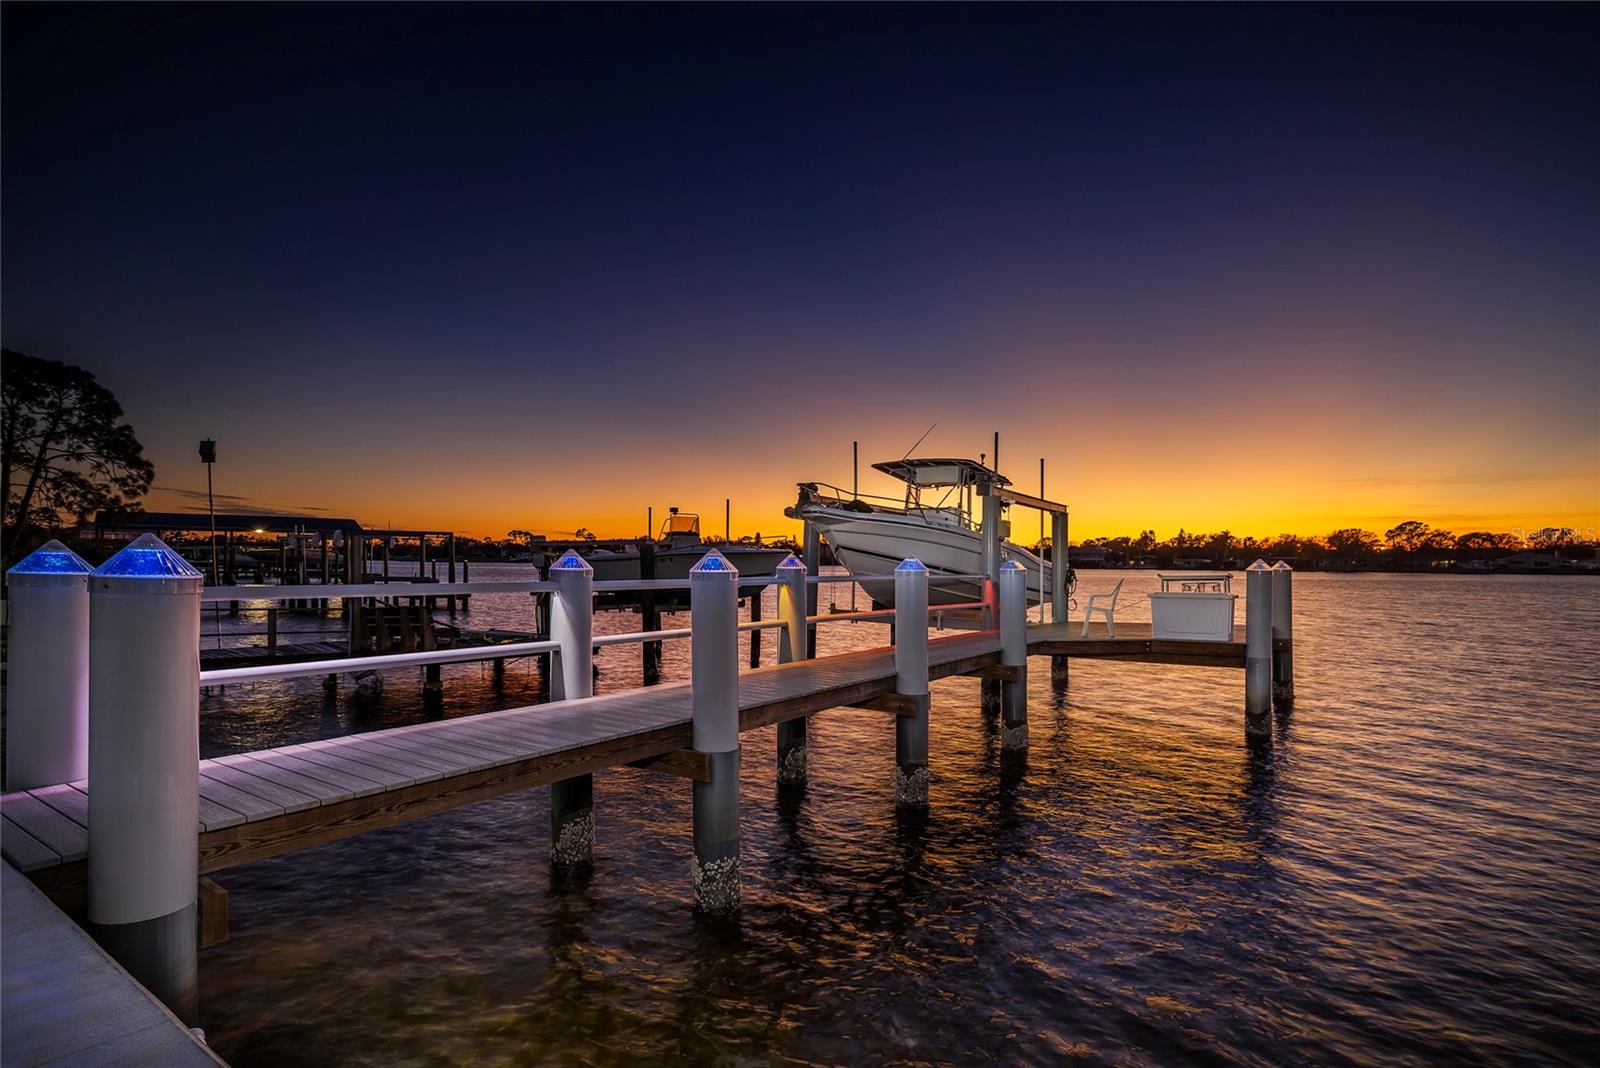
x=936, y=472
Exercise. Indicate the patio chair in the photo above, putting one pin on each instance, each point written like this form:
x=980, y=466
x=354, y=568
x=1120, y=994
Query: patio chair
x=1108, y=609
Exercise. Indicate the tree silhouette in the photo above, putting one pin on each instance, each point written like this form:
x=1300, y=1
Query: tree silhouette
x=67, y=452
x=1353, y=542
x=1408, y=537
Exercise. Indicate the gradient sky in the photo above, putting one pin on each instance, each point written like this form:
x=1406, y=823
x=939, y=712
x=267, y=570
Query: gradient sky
x=1270, y=268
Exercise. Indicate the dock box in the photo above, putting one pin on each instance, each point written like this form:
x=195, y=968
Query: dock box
x=1192, y=608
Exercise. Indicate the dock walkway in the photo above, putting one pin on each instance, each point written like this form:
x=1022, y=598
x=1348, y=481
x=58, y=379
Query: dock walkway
x=66, y=1002
x=263, y=804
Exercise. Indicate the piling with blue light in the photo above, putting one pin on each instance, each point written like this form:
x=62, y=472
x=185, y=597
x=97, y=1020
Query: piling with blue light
x=1282, y=635
x=793, y=645
x=572, y=627
x=714, y=622
x=144, y=722
x=47, y=669
x=911, y=680
x=1258, y=651
x=1013, y=589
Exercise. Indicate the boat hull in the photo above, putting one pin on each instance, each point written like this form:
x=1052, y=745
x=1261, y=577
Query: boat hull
x=874, y=543
x=675, y=563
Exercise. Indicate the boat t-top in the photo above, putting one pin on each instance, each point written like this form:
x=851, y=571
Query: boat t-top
x=934, y=522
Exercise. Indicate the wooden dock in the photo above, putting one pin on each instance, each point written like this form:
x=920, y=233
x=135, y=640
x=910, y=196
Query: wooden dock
x=263, y=804
x=65, y=1002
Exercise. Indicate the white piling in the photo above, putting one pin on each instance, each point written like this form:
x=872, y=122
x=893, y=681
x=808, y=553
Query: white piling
x=1258, y=651
x=1282, y=635
x=714, y=621
x=47, y=669
x=792, y=646
x=144, y=759
x=911, y=680
x=1013, y=586
x=572, y=626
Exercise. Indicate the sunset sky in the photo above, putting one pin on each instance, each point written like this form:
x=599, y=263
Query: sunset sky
x=1265, y=268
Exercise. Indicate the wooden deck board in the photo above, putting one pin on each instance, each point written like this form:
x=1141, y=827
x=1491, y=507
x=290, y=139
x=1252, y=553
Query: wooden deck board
x=255, y=805
x=67, y=800
x=336, y=763
x=23, y=849
x=324, y=791
x=62, y=835
x=65, y=1002
x=353, y=784
x=249, y=805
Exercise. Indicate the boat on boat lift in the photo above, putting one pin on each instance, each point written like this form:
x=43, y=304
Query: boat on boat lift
x=934, y=522
x=678, y=549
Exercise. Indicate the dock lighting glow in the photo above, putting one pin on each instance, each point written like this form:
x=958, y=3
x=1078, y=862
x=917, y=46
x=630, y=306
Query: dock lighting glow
x=571, y=561
x=911, y=563
x=47, y=671
x=714, y=561
x=51, y=558
x=790, y=562
x=147, y=557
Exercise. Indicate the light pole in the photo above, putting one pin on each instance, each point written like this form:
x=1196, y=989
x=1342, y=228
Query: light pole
x=208, y=456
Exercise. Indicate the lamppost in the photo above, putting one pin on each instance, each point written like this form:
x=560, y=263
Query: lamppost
x=208, y=456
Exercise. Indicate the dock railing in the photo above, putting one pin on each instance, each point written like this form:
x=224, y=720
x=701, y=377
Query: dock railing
x=537, y=588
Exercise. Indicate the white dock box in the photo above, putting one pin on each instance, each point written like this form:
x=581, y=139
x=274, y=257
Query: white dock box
x=1192, y=608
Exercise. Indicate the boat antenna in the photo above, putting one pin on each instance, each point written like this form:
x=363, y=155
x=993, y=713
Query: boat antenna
x=919, y=441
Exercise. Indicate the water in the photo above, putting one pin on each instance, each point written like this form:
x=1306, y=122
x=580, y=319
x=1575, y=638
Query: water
x=1408, y=877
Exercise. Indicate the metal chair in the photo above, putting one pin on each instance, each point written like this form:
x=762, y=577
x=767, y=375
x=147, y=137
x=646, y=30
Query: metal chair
x=1109, y=610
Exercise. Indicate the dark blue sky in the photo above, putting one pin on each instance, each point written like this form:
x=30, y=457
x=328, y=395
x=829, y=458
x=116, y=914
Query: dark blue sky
x=578, y=232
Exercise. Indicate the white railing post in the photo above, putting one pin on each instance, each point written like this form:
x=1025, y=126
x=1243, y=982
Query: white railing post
x=911, y=680
x=1282, y=632
x=1258, y=651
x=1014, y=655
x=47, y=669
x=714, y=619
x=572, y=626
x=792, y=646
x=144, y=767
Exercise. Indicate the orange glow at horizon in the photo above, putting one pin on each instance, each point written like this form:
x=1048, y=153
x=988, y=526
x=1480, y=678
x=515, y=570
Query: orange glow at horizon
x=1307, y=473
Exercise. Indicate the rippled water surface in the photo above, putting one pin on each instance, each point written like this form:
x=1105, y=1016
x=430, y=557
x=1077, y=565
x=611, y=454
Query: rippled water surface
x=1411, y=874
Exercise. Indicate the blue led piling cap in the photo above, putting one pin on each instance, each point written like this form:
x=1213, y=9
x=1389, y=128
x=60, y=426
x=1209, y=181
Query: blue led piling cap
x=790, y=563
x=571, y=561
x=51, y=558
x=1012, y=565
x=714, y=563
x=146, y=557
x=1259, y=565
x=1282, y=565
x=911, y=563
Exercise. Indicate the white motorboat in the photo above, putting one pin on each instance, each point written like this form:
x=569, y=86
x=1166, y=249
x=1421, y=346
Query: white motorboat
x=678, y=549
x=934, y=523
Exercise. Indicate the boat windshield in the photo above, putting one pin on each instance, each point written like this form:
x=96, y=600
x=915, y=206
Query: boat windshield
x=680, y=523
